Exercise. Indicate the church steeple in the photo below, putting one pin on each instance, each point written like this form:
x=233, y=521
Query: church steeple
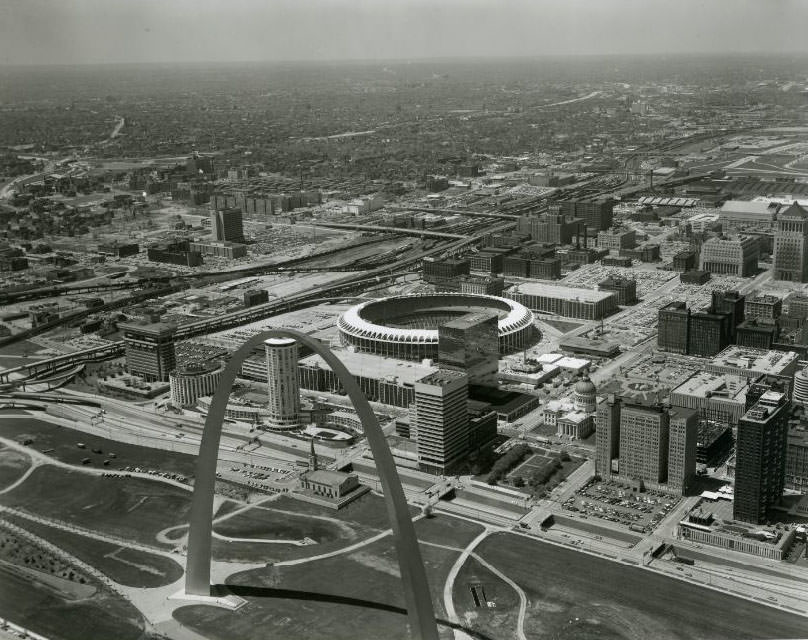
x=312, y=457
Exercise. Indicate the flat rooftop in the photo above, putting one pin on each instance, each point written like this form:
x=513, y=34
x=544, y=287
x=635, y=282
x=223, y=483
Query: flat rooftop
x=705, y=384
x=755, y=360
x=368, y=365
x=554, y=291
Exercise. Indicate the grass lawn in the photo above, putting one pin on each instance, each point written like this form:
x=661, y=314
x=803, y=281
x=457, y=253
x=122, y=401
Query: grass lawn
x=574, y=596
x=12, y=465
x=357, y=596
x=498, y=621
x=447, y=530
x=129, y=567
x=39, y=608
x=266, y=523
x=360, y=519
x=60, y=443
x=130, y=508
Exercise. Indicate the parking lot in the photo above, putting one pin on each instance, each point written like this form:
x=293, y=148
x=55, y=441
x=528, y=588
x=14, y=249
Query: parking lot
x=616, y=502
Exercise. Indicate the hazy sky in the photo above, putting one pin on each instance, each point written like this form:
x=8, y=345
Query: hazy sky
x=92, y=31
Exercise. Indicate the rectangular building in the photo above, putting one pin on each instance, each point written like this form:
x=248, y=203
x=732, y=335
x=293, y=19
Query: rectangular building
x=227, y=225
x=644, y=442
x=149, y=350
x=470, y=344
x=441, y=422
x=682, y=442
x=760, y=458
x=732, y=256
x=569, y=302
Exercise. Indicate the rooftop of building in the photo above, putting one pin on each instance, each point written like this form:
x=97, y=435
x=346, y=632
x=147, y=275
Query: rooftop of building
x=197, y=367
x=369, y=365
x=500, y=400
x=717, y=516
x=576, y=417
x=749, y=206
x=795, y=210
x=751, y=359
x=763, y=298
x=554, y=291
x=323, y=476
x=441, y=377
x=709, y=432
x=150, y=328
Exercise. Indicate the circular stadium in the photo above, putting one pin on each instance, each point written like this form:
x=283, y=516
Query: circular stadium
x=406, y=327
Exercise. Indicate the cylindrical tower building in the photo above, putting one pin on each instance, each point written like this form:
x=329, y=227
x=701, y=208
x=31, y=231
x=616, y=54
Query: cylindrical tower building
x=800, y=394
x=193, y=380
x=282, y=387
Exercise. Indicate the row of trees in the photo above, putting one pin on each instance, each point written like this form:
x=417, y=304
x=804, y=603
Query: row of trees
x=501, y=467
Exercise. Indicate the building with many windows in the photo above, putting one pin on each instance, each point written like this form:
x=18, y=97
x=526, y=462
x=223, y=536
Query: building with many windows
x=470, y=345
x=229, y=250
x=649, y=444
x=617, y=238
x=282, y=386
x=760, y=457
x=791, y=245
x=440, y=420
x=625, y=288
x=227, y=225
x=569, y=302
x=193, y=380
x=732, y=256
x=149, y=350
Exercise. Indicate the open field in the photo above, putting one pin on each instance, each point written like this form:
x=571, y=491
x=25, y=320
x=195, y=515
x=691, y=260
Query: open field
x=497, y=621
x=60, y=443
x=129, y=508
x=286, y=518
x=129, y=567
x=12, y=465
x=356, y=596
x=38, y=607
x=579, y=597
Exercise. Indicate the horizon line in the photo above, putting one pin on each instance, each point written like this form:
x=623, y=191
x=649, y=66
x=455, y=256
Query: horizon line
x=413, y=59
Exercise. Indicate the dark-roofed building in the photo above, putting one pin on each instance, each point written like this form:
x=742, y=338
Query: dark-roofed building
x=791, y=245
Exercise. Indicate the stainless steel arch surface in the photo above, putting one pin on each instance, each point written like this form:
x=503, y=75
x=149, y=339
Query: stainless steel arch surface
x=420, y=611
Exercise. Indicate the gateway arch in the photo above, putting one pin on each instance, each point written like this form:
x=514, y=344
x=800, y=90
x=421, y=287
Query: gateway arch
x=420, y=611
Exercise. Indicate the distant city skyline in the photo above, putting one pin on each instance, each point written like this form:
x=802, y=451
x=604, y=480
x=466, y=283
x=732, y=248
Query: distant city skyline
x=181, y=31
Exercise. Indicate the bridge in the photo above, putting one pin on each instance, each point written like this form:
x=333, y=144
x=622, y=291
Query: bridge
x=459, y=212
x=103, y=352
x=51, y=292
x=419, y=233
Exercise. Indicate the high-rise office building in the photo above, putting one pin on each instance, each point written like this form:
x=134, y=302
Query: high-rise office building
x=607, y=435
x=766, y=309
x=682, y=445
x=731, y=303
x=227, y=225
x=791, y=245
x=282, y=384
x=441, y=422
x=470, y=344
x=709, y=333
x=760, y=458
x=646, y=443
x=596, y=214
x=644, y=433
x=734, y=256
x=673, y=330
x=149, y=350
